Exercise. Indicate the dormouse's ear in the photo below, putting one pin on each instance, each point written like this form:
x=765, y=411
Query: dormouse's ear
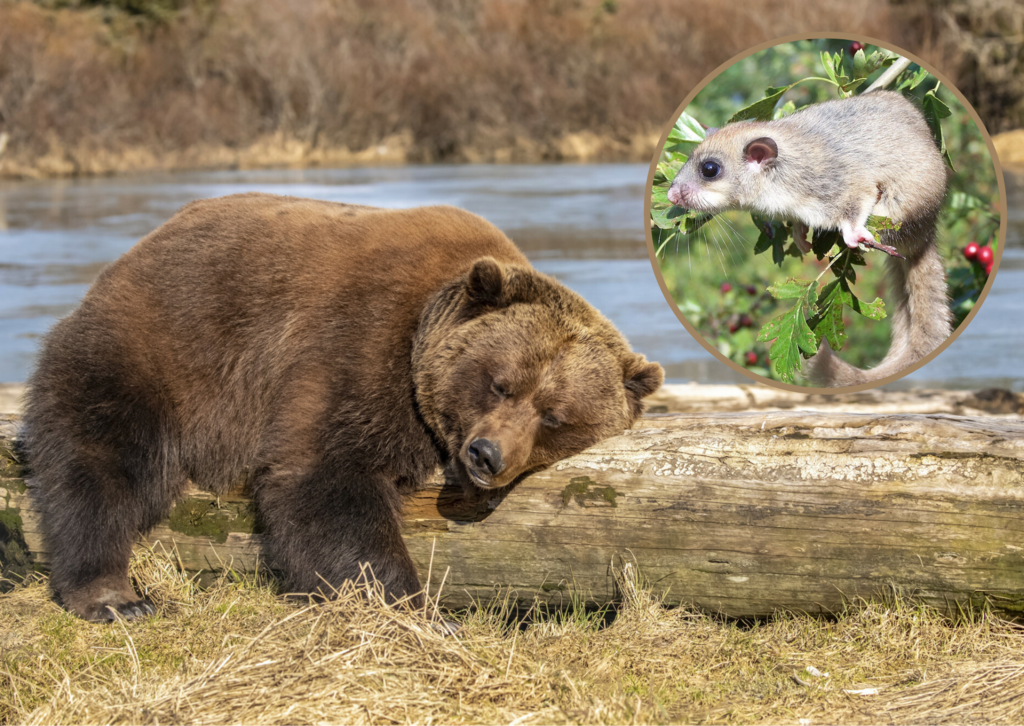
x=761, y=150
x=708, y=130
x=491, y=284
x=641, y=378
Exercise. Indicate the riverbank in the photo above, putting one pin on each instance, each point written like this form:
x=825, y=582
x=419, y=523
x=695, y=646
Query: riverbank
x=279, y=152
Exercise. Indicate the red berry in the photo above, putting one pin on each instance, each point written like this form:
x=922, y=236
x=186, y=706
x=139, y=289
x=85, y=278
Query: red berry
x=985, y=256
x=751, y=358
x=746, y=321
x=751, y=290
x=971, y=250
x=855, y=46
x=734, y=326
x=726, y=287
x=988, y=269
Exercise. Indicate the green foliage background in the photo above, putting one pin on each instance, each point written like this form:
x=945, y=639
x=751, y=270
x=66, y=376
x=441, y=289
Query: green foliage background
x=696, y=266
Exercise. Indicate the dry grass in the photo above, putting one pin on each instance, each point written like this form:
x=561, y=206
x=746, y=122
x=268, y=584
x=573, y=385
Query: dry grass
x=238, y=653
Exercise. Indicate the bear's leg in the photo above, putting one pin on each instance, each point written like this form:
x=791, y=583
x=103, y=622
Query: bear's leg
x=104, y=477
x=325, y=524
x=93, y=514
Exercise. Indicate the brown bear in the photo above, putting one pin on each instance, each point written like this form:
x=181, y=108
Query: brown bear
x=339, y=353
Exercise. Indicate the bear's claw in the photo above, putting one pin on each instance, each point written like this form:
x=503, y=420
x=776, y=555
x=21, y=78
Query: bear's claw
x=446, y=628
x=134, y=610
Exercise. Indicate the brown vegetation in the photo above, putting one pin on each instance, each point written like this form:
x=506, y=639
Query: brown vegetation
x=237, y=653
x=305, y=82
x=99, y=86
x=980, y=44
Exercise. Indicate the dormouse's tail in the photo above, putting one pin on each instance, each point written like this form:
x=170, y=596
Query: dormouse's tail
x=920, y=317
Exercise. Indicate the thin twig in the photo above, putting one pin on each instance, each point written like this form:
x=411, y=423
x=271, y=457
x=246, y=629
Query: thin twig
x=890, y=74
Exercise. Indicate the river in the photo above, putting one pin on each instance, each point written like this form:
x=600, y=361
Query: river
x=580, y=223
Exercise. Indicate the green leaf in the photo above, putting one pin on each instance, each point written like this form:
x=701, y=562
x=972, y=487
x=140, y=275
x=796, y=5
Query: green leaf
x=667, y=217
x=686, y=134
x=935, y=110
x=763, y=243
x=834, y=69
x=846, y=89
x=877, y=224
x=785, y=109
x=874, y=310
x=790, y=331
x=826, y=61
x=666, y=171
x=823, y=241
x=762, y=110
x=659, y=196
x=791, y=289
x=687, y=128
x=880, y=59
x=774, y=234
x=695, y=220
x=828, y=323
x=912, y=79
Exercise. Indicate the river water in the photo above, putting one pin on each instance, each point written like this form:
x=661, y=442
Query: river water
x=583, y=224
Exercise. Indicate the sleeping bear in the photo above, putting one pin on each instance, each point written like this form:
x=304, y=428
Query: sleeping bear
x=339, y=353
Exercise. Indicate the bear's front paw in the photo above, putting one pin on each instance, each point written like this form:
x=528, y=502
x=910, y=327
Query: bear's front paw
x=109, y=607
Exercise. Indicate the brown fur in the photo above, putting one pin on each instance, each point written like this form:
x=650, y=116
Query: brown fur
x=338, y=352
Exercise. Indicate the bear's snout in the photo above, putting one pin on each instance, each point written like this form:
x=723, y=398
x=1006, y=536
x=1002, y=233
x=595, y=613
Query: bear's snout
x=485, y=458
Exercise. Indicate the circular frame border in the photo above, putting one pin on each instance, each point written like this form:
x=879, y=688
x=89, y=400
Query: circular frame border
x=1001, y=235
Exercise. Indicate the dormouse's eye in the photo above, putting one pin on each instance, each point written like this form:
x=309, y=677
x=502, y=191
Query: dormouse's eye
x=551, y=420
x=499, y=390
x=710, y=169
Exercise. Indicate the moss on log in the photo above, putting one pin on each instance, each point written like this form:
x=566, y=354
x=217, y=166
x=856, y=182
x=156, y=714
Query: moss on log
x=738, y=513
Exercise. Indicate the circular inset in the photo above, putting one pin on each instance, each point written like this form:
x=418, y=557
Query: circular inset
x=825, y=213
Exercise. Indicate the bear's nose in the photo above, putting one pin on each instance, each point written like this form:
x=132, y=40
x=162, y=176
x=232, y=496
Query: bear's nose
x=485, y=454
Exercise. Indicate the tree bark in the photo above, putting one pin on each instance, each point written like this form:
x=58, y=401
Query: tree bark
x=737, y=513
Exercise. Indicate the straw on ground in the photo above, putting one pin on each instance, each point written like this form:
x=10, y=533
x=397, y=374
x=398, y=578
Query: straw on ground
x=239, y=652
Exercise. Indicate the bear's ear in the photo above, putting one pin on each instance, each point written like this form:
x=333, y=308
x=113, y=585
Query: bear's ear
x=641, y=379
x=485, y=282
x=491, y=284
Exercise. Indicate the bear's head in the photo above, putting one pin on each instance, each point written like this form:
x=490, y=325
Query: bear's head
x=514, y=371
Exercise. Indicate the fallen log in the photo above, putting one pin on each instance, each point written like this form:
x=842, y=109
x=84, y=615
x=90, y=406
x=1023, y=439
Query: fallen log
x=712, y=398
x=742, y=514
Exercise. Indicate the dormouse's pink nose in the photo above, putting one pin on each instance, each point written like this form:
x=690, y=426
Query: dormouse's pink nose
x=677, y=196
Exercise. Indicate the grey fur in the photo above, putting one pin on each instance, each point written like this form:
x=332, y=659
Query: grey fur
x=838, y=162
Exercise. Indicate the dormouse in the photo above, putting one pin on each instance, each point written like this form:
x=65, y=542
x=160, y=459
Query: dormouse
x=830, y=166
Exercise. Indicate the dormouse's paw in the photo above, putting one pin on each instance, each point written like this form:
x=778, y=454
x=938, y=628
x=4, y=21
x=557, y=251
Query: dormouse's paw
x=854, y=237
